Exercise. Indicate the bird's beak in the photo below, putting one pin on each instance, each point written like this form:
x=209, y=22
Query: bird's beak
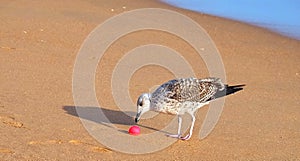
x=137, y=118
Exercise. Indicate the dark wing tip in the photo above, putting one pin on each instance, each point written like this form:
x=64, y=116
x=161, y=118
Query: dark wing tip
x=229, y=90
x=233, y=89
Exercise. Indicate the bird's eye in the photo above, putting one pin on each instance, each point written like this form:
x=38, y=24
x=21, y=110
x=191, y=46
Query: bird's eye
x=141, y=103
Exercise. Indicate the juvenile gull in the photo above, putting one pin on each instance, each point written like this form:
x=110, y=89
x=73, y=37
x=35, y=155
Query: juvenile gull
x=179, y=96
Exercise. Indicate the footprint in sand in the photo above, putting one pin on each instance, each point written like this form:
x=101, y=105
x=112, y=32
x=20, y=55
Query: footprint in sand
x=91, y=147
x=11, y=121
x=101, y=150
x=6, y=151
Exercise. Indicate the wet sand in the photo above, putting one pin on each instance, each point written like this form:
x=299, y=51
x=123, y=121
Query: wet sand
x=39, y=41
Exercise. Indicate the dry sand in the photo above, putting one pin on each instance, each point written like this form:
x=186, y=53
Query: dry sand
x=39, y=41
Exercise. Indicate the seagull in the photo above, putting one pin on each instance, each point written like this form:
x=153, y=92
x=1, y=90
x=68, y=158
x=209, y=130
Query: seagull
x=183, y=95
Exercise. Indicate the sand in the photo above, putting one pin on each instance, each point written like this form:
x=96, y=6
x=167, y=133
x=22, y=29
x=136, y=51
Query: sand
x=39, y=41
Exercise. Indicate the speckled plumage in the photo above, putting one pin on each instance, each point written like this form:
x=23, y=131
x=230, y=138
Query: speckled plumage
x=179, y=96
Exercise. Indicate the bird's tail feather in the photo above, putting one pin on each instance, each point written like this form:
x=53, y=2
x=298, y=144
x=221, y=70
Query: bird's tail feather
x=227, y=91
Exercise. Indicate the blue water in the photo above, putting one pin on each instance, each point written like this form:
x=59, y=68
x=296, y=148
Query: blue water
x=281, y=16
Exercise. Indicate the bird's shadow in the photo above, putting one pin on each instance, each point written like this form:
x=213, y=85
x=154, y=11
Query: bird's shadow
x=106, y=117
x=94, y=114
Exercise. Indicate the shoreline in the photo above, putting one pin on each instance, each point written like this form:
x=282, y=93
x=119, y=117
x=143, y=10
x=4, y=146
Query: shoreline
x=280, y=32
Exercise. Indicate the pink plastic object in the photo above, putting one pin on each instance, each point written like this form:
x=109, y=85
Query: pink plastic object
x=134, y=130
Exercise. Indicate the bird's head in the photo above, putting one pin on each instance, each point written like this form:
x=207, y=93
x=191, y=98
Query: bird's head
x=143, y=105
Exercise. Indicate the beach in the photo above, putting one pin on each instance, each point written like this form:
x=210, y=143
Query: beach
x=39, y=42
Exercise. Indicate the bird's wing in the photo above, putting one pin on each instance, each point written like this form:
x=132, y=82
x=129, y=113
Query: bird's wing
x=191, y=89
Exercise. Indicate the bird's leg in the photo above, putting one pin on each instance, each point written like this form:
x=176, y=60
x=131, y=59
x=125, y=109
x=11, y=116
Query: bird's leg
x=178, y=135
x=188, y=136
